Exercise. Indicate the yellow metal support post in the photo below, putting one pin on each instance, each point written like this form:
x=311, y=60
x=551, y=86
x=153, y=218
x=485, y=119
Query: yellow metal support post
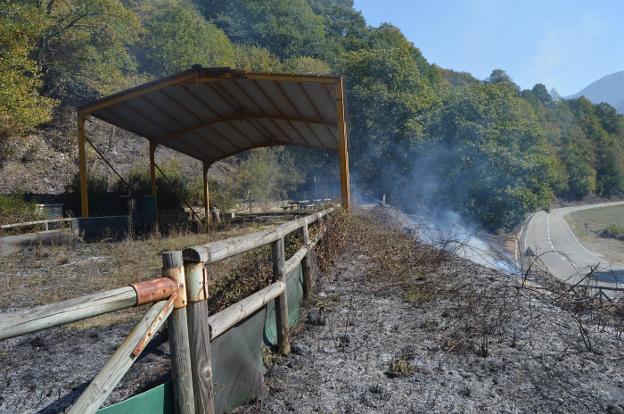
x=343, y=149
x=82, y=160
x=207, y=218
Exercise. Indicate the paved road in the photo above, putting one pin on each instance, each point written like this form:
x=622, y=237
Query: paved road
x=548, y=235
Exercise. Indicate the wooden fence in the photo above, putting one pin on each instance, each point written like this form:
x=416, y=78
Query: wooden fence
x=46, y=223
x=179, y=297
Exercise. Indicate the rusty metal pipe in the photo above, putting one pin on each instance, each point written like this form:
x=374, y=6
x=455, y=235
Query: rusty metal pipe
x=155, y=290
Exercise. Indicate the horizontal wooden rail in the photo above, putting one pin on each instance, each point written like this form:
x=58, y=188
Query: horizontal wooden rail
x=32, y=223
x=26, y=321
x=295, y=259
x=222, y=321
x=222, y=249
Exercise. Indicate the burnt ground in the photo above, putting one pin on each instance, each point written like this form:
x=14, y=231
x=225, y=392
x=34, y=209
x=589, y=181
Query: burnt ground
x=46, y=371
x=391, y=331
x=396, y=326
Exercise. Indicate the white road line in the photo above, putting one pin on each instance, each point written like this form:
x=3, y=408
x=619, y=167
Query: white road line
x=552, y=246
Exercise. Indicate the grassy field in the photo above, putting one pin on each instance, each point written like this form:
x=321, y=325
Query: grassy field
x=587, y=224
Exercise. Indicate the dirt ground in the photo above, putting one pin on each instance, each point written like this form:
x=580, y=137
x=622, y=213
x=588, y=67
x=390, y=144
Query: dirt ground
x=452, y=337
x=587, y=223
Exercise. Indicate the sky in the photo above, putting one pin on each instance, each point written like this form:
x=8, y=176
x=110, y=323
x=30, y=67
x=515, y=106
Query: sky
x=563, y=44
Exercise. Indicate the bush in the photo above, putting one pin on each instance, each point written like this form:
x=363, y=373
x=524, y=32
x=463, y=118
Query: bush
x=613, y=232
x=101, y=203
x=221, y=194
x=171, y=194
x=15, y=210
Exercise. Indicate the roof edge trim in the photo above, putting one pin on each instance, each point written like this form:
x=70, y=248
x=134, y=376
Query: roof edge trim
x=199, y=73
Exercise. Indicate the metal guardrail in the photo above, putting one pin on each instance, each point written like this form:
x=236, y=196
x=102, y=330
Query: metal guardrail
x=179, y=297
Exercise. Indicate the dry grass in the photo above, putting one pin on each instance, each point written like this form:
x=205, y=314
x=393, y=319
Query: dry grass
x=54, y=272
x=51, y=273
x=587, y=225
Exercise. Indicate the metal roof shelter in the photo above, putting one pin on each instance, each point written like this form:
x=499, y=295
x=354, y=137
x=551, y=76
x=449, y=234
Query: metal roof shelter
x=213, y=113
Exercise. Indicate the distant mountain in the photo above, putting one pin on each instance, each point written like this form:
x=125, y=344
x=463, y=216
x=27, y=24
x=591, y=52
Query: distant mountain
x=554, y=94
x=609, y=89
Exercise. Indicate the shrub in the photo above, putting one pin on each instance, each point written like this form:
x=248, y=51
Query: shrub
x=613, y=232
x=172, y=192
x=400, y=367
x=100, y=201
x=13, y=209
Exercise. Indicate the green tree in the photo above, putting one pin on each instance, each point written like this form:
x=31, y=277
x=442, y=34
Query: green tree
x=286, y=28
x=253, y=58
x=495, y=165
x=388, y=99
x=21, y=105
x=306, y=65
x=81, y=47
x=345, y=28
x=177, y=36
x=541, y=93
x=266, y=174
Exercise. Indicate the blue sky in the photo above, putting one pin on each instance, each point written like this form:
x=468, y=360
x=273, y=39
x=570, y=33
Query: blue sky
x=563, y=44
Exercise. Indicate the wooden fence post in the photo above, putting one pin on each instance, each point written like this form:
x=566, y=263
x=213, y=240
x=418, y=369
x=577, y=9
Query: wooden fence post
x=199, y=336
x=178, y=337
x=306, y=268
x=281, y=302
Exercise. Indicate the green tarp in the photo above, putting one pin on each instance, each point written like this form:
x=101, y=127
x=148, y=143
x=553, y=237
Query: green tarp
x=158, y=400
x=237, y=367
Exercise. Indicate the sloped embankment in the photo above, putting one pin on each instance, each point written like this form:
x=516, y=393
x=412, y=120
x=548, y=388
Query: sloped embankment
x=397, y=326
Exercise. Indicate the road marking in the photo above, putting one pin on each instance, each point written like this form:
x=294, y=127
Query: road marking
x=552, y=246
x=533, y=228
x=548, y=231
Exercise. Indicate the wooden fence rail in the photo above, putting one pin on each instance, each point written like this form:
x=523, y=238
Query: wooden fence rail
x=32, y=223
x=47, y=316
x=222, y=249
x=179, y=297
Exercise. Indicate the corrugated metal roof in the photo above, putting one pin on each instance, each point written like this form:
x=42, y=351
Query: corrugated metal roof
x=213, y=113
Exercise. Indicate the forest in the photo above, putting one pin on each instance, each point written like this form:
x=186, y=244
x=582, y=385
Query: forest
x=423, y=134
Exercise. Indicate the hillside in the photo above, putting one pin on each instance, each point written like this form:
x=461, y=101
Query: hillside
x=419, y=133
x=46, y=160
x=608, y=89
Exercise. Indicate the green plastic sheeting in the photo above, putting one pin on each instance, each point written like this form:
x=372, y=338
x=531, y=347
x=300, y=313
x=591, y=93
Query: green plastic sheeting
x=238, y=371
x=236, y=356
x=158, y=400
x=294, y=292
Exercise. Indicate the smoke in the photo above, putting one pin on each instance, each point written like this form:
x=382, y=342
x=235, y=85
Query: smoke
x=447, y=228
x=428, y=186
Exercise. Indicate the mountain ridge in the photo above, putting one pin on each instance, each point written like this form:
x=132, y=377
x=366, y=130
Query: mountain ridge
x=608, y=89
